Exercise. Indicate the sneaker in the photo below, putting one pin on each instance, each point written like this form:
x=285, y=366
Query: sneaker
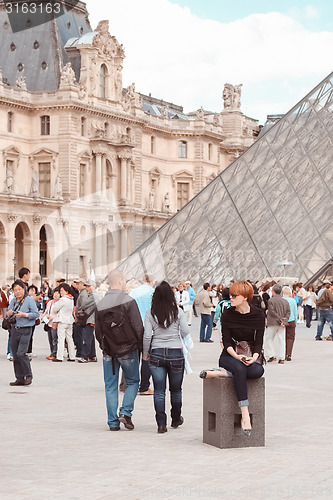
x=127, y=421
x=209, y=340
x=150, y=392
x=318, y=338
x=82, y=360
x=50, y=357
x=9, y=357
x=178, y=423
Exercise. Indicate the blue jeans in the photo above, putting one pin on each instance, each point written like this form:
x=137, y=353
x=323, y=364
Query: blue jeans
x=206, y=322
x=163, y=362
x=9, y=346
x=145, y=376
x=323, y=317
x=88, y=342
x=240, y=373
x=53, y=341
x=130, y=366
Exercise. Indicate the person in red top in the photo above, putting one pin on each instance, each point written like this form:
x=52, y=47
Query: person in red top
x=3, y=301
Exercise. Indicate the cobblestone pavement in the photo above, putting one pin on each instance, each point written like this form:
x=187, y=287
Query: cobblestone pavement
x=55, y=441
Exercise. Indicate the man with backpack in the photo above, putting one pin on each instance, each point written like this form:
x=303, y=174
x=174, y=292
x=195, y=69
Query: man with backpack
x=119, y=331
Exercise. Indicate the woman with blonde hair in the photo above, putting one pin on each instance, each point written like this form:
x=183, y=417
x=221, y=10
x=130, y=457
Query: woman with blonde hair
x=287, y=294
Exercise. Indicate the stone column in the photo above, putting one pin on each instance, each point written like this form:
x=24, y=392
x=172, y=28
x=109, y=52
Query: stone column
x=123, y=178
x=98, y=185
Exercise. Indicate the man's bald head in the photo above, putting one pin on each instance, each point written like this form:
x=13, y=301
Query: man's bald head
x=117, y=279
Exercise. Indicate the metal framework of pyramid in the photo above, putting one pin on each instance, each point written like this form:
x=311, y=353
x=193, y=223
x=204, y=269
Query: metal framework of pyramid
x=274, y=203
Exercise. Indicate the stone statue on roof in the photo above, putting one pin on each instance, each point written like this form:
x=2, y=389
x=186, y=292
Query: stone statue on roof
x=67, y=76
x=231, y=96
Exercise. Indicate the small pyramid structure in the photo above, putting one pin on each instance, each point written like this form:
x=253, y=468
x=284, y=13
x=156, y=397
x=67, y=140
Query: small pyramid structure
x=274, y=203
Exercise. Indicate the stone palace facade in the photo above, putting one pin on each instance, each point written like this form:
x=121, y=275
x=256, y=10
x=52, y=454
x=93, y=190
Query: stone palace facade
x=90, y=169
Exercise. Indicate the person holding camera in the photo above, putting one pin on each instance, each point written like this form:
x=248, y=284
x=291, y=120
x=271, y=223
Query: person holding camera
x=21, y=316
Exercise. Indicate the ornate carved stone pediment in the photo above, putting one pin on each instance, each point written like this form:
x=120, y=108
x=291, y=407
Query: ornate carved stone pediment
x=105, y=43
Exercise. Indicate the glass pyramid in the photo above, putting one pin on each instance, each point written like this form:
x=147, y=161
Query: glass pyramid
x=274, y=203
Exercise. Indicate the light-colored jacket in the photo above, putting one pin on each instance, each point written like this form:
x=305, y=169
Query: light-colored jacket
x=185, y=299
x=64, y=310
x=204, y=303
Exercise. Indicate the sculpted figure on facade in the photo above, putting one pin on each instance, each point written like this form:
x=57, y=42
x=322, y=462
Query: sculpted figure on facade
x=98, y=129
x=20, y=83
x=231, y=96
x=200, y=114
x=166, y=203
x=9, y=181
x=67, y=76
x=34, y=188
x=131, y=99
x=165, y=112
x=58, y=188
x=151, y=199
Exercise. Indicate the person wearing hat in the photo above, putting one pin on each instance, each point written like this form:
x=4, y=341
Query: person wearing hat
x=85, y=318
x=191, y=293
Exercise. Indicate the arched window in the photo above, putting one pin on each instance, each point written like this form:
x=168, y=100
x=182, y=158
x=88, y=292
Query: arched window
x=182, y=149
x=103, y=73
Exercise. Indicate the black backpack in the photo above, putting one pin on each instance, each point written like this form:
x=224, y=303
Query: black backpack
x=118, y=336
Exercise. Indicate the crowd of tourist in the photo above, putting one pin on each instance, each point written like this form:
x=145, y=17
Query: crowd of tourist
x=154, y=319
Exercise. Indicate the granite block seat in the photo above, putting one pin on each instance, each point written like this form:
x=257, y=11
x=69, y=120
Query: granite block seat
x=222, y=415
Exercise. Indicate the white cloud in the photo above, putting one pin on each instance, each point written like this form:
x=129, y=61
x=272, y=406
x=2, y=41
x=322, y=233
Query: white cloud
x=180, y=57
x=311, y=12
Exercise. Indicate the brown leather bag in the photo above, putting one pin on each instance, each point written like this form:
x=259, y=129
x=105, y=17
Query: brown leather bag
x=245, y=348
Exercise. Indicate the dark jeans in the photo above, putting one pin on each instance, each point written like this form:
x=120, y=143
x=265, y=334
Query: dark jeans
x=308, y=310
x=88, y=342
x=167, y=362
x=29, y=351
x=145, y=376
x=324, y=315
x=78, y=339
x=20, y=338
x=53, y=341
x=240, y=373
x=206, y=327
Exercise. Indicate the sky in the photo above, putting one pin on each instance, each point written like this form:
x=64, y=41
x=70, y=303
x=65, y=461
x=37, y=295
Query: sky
x=184, y=51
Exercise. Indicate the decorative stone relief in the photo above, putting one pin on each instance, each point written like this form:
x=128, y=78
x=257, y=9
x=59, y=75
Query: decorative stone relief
x=34, y=188
x=200, y=115
x=67, y=76
x=105, y=43
x=11, y=217
x=37, y=219
x=20, y=83
x=232, y=95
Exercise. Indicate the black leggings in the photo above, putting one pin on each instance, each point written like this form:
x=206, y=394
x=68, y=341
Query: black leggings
x=240, y=373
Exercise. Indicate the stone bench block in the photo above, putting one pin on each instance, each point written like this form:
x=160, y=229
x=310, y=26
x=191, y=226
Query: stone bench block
x=222, y=415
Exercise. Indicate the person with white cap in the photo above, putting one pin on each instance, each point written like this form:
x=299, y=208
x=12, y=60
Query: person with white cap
x=85, y=317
